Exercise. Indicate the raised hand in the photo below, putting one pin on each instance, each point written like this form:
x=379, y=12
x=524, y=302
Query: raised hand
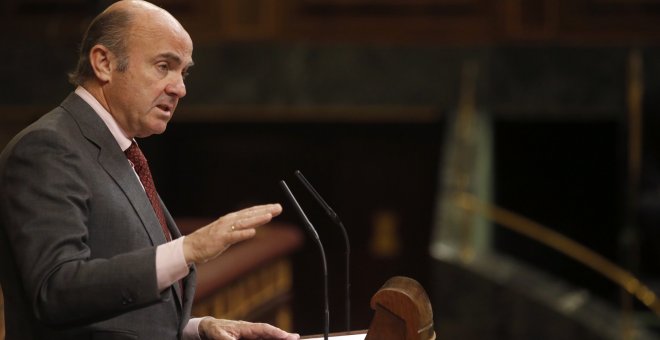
x=210, y=241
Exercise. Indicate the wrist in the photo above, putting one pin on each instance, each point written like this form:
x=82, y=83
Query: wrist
x=188, y=250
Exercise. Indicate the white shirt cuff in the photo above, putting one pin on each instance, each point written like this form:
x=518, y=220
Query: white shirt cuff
x=171, y=263
x=191, y=331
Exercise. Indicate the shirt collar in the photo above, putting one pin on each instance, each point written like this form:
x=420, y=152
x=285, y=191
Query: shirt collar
x=123, y=141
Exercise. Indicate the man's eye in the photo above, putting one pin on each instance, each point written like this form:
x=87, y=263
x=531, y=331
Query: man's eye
x=163, y=67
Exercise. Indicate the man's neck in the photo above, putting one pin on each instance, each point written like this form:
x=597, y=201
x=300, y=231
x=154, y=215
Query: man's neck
x=120, y=135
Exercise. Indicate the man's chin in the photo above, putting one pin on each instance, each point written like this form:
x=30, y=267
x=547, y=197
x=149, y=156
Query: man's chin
x=156, y=130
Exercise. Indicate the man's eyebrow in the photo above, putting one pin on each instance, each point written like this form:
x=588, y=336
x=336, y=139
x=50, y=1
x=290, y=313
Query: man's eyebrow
x=174, y=58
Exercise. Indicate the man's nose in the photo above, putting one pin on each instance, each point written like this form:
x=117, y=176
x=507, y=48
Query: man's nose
x=176, y=88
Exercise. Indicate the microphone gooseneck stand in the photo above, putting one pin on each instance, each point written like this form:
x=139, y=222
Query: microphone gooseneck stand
x=335, y=218
x=310, y=227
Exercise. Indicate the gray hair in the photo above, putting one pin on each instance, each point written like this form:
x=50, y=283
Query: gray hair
x=109, y=29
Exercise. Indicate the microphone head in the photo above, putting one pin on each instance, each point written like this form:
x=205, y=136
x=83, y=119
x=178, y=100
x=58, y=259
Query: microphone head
x=317, y=196
x=297, y=207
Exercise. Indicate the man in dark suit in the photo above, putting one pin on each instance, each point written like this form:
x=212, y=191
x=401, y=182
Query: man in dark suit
x=87, y=248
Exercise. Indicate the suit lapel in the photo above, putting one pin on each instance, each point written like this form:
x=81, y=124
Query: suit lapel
x=171, y=225
x=113, y=160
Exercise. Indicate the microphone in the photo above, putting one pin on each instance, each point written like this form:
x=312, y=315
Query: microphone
x=307, y=223
x=335, y=218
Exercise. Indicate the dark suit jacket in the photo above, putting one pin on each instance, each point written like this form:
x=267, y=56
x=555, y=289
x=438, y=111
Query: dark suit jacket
x=78, y=237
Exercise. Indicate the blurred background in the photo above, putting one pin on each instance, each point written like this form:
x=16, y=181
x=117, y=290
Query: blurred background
x=454, y=138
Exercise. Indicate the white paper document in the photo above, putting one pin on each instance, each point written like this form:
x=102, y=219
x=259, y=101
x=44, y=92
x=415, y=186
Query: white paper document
x=342, y=337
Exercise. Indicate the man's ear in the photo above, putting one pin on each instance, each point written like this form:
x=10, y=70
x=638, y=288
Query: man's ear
x=101, y=60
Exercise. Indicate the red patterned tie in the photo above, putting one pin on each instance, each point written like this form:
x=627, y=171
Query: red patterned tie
x=135, y=155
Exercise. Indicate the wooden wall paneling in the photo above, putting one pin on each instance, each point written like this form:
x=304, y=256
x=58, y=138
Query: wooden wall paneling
x=619, y=21
x=530, y=19
x=201, y=18
x=251, y=19
x=212, y=21
x=381, y=21
x=393, y=21
x=46, y=20
x=207, y=21
x=66, y=20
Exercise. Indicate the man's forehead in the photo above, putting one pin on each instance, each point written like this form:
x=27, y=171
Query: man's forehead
x=160, y=41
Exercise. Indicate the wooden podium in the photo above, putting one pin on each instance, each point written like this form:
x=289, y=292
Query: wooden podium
x=402, y=312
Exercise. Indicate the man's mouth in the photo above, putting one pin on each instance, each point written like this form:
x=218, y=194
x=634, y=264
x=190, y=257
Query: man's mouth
x=164, y=107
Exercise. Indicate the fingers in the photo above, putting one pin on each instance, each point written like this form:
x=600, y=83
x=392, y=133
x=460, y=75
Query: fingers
x=272, y=209
x=250, y=222
x=265, y=331
x=210, y=241
x=237, y=236
x=250, y=217
x=221, y=329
